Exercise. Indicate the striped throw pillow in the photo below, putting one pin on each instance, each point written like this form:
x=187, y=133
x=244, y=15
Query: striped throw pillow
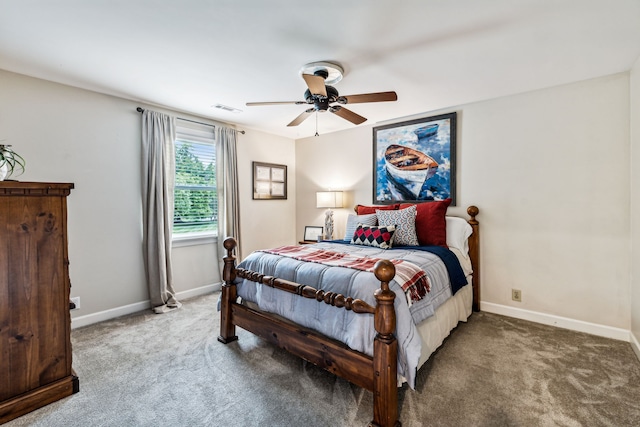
x=354, y=220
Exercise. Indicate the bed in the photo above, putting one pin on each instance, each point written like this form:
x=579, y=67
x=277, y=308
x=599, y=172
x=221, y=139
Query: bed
x=373, y=325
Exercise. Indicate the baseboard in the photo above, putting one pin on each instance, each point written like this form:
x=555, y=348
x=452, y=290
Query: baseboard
x=635, y=345
x=101, y=316
x=196, y=292
x=112, y=313
x=561, y=322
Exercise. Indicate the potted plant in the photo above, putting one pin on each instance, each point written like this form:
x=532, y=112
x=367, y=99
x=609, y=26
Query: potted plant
x=10, y=162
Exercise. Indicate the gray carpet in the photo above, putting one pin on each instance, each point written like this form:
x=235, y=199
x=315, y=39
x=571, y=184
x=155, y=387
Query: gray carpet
x=169, y=370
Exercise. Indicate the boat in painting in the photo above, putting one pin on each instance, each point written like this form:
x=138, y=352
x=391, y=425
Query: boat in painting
x=426, y=132
x=409, y=168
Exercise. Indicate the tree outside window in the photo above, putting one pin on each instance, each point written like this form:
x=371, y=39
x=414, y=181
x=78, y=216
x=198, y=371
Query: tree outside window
x=196, y=203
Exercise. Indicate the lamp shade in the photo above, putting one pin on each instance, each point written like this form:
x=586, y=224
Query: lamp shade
x=329, y=199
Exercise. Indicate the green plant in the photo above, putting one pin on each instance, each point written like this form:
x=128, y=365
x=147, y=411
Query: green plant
x=13, y=161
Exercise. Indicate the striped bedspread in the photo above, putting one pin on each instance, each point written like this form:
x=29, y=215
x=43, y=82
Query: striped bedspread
x=411, y=278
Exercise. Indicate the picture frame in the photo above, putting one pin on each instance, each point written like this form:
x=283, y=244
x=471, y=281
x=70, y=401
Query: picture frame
x=269, y=181
x=415, y=160
x=311, y=233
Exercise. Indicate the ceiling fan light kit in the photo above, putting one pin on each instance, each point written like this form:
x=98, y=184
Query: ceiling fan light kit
x=334, y=71
x=319, y=76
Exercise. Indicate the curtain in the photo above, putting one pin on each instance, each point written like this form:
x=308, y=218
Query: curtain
x=158, y=175
x=227, y=186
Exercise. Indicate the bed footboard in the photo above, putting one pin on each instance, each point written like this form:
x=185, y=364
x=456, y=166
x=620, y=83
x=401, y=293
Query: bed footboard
x=377, y=374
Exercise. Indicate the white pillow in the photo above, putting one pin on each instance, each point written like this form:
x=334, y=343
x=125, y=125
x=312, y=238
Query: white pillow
x=458, y=231
x=354, y=220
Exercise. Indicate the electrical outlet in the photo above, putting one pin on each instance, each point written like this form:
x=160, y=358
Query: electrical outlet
x=76, y=301
x=516, y=295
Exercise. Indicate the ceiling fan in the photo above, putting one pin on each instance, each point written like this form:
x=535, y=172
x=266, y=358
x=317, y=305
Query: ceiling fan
x=319, y=76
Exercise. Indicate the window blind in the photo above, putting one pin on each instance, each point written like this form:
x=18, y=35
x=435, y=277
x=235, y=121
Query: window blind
x=196, y=202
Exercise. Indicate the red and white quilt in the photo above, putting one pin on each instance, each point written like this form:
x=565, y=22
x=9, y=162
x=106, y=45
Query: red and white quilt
x=410, y=277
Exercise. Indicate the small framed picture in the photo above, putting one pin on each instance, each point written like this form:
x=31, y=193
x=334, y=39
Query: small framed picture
x=269, y=181
x=277, y=189
x=263, y=188
x=263, y=173
x=278, y=174
x=312, y=233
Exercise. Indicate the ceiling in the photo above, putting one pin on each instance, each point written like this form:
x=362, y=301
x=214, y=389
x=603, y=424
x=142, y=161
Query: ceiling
x=192, y=54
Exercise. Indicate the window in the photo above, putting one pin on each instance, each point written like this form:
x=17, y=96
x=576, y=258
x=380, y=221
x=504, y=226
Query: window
x=196, y=198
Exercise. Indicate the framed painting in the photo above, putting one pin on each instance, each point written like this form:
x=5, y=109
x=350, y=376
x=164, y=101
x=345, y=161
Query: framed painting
x=415, y=161
x=269, y=181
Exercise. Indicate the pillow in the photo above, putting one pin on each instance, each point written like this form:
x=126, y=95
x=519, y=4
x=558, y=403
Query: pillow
x=379, y=237
x=458, y=231
x=405, y=222
x=431, y=226
x=354, y=220
x=365, y=210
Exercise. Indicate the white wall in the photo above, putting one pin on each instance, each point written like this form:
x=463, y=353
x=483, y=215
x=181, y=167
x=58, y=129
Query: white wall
x=72, y=135
x=635, y=207
x=93, y=140
x=336, y=161
x=266, y=223
x=549, y=171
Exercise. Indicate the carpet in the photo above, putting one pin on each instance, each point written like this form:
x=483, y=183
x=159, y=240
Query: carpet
x=169, y=370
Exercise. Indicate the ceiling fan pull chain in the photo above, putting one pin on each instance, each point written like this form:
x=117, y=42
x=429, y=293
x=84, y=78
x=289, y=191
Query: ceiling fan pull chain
x=317, y=124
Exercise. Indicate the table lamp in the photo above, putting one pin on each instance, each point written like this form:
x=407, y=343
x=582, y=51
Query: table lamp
x=328, y=200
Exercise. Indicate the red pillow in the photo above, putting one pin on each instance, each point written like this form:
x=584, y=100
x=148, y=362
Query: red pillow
x=366, y=210
x=431, y=225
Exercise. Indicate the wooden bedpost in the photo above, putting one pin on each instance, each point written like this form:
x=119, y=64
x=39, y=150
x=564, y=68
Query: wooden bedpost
x=229, y=294
x=474, y=254
x=385, y=351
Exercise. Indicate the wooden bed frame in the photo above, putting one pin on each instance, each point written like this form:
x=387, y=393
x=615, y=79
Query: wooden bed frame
x=378, y=373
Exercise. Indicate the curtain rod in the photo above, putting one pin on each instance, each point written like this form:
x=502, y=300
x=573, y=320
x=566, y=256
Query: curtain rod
x=141, y=110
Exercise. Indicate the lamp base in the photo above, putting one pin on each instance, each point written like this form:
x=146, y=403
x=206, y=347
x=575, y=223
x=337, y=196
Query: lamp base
x=328, y=224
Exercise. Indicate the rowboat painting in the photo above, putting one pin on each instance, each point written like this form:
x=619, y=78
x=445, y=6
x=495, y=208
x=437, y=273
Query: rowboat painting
x=409, y=168
x=415, y=160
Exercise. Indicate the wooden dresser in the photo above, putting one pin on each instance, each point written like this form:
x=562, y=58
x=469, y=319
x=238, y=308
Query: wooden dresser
x=35, y=323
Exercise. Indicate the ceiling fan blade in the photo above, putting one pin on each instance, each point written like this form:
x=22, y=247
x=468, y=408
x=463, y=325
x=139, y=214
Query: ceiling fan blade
x=348, y=115
x=302, y=117
x=253, y=104
x=315, y=84
x=370, y=97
